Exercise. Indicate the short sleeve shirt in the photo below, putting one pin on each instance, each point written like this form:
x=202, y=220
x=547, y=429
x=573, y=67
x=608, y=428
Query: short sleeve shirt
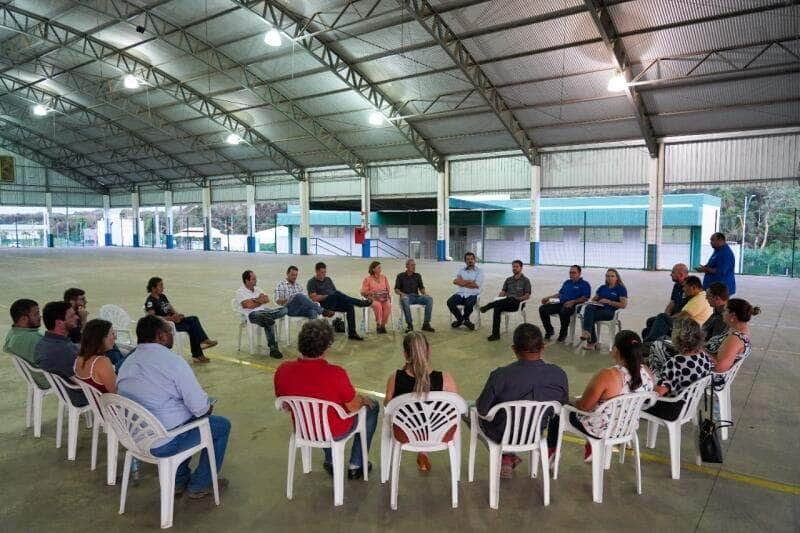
x=698, y=308
x=677, y=298
x=681, y=371
x=516, y=288
x=323, y=288
x=161, y=305
x=470, y=274
x=572, y=290
x=316, y=378
x=408, y=284
x=615, y=294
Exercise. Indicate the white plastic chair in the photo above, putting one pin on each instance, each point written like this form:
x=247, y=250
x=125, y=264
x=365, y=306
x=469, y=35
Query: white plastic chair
x=311, y=429
x=624, y=412
x=61, y=386
x=93, y=397
x=523, y=433
x=366, y=311
x=35, y=395
x=425, y=421
x=139, y=431
x=476, y=311
x=614, y=325
x=180, y=339
x=520, y=313
x=724, y=395
x=124, y=326
x=286, y=324
x=253, y=330
x=690, y=397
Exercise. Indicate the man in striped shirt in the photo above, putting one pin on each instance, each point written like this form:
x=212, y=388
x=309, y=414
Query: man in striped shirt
x=291, y=294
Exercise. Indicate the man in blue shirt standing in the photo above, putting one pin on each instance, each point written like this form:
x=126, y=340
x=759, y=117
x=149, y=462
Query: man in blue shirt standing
x=572, y=293
x=470, y=282
x=720, y=266
x=163, y=383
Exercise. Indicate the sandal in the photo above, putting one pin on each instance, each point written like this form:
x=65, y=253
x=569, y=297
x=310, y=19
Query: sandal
x=590, y=347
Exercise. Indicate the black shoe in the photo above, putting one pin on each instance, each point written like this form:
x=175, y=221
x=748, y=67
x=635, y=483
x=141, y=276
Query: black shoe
x=470, y=325
x=328, y=467
x=358, y=473
x=355, y=337
x=366, y=302
x=561, y=339
x=275, y=353
x=484, y=308
x=493, y=337
x=409, y=329
x=381, y=329
x=456, y=323
x=222, y=484
x=548, y=335
x=427, y=327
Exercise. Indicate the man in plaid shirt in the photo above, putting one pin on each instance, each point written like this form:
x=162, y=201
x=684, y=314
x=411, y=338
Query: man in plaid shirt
x=291, y=294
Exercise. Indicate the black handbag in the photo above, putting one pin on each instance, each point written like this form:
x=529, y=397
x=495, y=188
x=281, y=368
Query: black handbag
x=338, y=325
x=708, y=439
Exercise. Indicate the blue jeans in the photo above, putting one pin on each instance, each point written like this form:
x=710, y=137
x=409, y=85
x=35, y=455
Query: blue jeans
x=201, y=477
x=266, y=318
x=416, y=299
x=592, y=314
x=467, y=301
x=356, y=460
x=302, y=305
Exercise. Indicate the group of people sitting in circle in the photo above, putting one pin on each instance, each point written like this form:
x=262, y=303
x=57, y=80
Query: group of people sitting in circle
x=700, y=332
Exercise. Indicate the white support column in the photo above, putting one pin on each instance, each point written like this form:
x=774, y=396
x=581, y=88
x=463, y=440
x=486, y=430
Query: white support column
x=251, y=219
x=136, y=218
x=206, y=216
x=443, y=214
x=170, y=219
x=305, y=216
x=156, y=228
x=535, y=228
x=107, y=240
x=48, y=218
x=365, y=213
x=655, y=208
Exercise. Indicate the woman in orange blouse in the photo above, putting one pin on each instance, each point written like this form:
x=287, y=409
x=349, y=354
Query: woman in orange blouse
x=376, y=287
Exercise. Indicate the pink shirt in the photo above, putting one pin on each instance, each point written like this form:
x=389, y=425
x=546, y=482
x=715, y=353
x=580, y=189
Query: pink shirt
x=380, y=286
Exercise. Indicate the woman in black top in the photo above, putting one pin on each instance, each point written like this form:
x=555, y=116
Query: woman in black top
x=158, y=304
x=417, y=377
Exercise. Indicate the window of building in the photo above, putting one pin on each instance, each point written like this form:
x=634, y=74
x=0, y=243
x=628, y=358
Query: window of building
x=551, y=234
x=498, y=233
x=672, y=235
x=395, y=232
x=610, y=235
x=330, y=232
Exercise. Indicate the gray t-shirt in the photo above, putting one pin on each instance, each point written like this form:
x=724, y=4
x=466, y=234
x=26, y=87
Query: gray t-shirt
x=515, y=288
x=323, y=288
x=521, y=380
x=56, y=354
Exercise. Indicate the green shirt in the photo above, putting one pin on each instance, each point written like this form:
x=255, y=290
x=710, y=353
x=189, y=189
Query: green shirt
x=21, y=342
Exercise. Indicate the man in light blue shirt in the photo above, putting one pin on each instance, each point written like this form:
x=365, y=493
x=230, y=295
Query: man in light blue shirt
x=163, y=383
x=470, y=282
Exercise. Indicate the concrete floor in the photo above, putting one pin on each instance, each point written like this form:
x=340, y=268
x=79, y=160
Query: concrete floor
x=758, y=487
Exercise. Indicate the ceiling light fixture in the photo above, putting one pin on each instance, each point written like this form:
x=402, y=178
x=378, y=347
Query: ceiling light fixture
x=130, y=81
x=376, y=118
x=40, y=111
x=272, y=37
x=617, y=83
x=233, y=139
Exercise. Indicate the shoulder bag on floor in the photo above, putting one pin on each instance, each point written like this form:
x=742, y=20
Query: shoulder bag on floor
x=709, y=441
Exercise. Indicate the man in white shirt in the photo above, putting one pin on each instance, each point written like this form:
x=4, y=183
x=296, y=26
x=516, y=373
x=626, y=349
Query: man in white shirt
x=253, y=303
x=469, y=280
x=293, y=296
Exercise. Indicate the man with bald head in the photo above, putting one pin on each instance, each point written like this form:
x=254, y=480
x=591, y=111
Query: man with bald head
x=659, y=326
x=409, y=287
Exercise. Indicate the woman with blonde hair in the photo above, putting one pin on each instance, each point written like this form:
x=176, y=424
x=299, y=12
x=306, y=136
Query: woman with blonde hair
x=607, y=299
x=417, y=377
x=376, y=287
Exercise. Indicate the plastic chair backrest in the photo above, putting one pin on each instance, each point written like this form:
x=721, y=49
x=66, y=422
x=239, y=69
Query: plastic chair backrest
x=523, y=420
x=310, y=416
x=62, y=386
x=426, y=420
x=137, y=429
x=691, y=396
x=730, y=374
x=623, y=413
x=238, y=309
x=22, y=367
x=93, y=397
x=116, y=315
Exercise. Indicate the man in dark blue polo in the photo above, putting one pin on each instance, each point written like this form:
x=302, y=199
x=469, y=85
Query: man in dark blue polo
x=55, y=353
x=720, y=266
x=572, y=293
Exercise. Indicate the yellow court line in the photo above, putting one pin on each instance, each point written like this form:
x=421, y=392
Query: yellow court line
x=763, y=483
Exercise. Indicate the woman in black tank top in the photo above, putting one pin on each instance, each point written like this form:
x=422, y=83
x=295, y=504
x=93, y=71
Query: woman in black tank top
x=417, y=377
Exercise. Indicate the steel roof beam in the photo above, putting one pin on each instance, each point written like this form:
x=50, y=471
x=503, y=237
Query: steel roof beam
x=435, y=25
x=99, y=50
x=619, y=57
x=296, y=27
